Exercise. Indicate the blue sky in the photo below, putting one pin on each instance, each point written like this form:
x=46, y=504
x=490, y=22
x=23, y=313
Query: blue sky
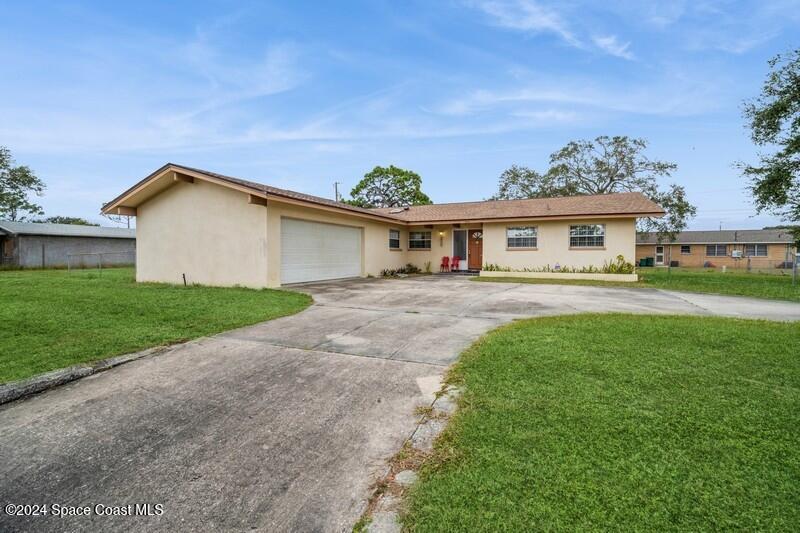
x=94, y=96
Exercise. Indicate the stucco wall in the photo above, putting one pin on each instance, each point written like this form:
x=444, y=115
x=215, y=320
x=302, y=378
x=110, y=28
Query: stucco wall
x=553, y=244
x=208, y=232
x=45, y=251
x=375, y=238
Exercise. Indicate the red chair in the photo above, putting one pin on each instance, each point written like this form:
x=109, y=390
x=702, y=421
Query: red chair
x=445, y=266
x=454, y=263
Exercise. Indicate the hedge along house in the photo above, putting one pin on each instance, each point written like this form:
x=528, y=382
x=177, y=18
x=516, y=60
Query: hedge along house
x=219, y=230
x=33, y=245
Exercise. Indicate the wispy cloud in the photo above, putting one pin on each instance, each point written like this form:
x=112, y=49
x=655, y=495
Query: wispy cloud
x=528, y=16
x=611, y=45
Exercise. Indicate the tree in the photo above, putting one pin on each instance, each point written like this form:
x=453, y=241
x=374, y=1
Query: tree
x=522, y=182
x=65, y=220
x=774, y=122
x=389, y=187
x=602, y=166
x=16, y=184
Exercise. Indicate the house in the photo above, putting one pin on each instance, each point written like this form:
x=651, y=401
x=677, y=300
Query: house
x=730, y=248
x=33, y=245
x=219, y=230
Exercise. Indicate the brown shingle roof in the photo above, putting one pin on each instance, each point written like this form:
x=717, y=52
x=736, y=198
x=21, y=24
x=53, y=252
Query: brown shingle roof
x=286, y=193
x=629, y=203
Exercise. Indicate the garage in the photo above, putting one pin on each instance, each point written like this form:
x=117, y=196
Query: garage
x=314, y=251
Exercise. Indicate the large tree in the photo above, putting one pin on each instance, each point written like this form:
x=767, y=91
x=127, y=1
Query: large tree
x=602, y=166
x=389, y=187
x=17, y=183
x=774, y=121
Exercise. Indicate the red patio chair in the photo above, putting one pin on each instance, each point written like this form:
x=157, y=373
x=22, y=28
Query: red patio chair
x=454, y=263
x=445, y=266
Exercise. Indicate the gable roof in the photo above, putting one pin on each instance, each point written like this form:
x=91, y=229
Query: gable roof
x=258, y=188
x=627, y=204
x=621, y=204
x=752, y=236
x=65, y=230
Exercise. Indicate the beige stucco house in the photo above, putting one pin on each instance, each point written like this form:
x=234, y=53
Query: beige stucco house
x=219, y=230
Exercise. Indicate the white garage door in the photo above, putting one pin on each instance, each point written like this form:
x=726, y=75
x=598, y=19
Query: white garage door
x=312, y=251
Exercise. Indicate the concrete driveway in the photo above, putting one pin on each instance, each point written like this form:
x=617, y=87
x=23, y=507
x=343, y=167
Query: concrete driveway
x=283, y=425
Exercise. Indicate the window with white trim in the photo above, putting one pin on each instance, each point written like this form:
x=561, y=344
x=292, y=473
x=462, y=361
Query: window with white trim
x=755, y=250
x=394, y=239
x=419, y=240
x=587, y=236
x=521, y=237
x=717, y=250
x=686, y=249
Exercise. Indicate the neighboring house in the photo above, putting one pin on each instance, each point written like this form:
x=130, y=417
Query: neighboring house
x=730, y=248
x=31, y=245
x=218, y=230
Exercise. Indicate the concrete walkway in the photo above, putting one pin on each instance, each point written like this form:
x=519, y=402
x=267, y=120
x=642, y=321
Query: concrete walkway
x=282, y=425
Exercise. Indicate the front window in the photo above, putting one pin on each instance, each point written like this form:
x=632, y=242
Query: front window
x=587, y=236
x=521, y=237
x=717, y=250
x=419, y=240
x=394, y=239
x=686, y=249
x=755, y=250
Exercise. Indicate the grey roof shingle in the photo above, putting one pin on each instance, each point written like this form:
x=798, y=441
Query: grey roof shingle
x=723, y=237
x=65, y=230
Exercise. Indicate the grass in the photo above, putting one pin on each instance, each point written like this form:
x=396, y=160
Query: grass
x=692, y=280
x=620, y=422
x=51, y=319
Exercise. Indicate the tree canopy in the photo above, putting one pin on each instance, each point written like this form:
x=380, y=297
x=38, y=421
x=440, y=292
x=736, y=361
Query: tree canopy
x=602, y=166
x=389, y=187
x=774, y=121
x=77, y=221
x=17, y=183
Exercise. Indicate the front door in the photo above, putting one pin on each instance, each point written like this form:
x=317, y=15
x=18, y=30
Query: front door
x=475, y=256
x=659, y=255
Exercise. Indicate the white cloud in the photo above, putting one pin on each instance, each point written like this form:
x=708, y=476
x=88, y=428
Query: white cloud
x=611, y=45
x=527, y=16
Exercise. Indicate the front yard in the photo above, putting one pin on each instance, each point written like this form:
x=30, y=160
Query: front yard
x=620, y=422
x=51, y=319
x=772, y=286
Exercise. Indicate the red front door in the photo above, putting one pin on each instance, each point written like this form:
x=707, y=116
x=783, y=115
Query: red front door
x=475, y=249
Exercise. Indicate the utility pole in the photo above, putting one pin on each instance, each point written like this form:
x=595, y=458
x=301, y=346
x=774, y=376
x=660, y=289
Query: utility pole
x=336, y=190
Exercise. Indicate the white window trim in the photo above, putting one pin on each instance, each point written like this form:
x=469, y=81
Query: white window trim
x=424, y=239
x=398, y=247
x=587, y=246
x=535, y=238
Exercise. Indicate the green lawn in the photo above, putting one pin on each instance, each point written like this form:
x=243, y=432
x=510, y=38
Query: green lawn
x=620, y=422
x=693, y=280
x=51, y=319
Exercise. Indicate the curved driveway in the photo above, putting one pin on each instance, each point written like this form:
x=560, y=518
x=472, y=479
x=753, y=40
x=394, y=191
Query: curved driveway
x=282, y=425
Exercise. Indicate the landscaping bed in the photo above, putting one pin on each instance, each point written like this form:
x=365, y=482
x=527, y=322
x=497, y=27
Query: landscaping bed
x=620, y=422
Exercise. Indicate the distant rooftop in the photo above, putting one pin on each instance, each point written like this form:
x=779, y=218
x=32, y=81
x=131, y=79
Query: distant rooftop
x=755, y=236
x=65, y=230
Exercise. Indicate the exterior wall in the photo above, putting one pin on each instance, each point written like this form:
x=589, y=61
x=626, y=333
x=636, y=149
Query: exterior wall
x=47, y=251
x=441, y=245
x=776, y=254
x=374, y=234
x=207, y=232
x=553, y=244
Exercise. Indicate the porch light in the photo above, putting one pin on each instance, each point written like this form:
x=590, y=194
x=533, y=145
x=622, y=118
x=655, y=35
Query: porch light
x=441, y=239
